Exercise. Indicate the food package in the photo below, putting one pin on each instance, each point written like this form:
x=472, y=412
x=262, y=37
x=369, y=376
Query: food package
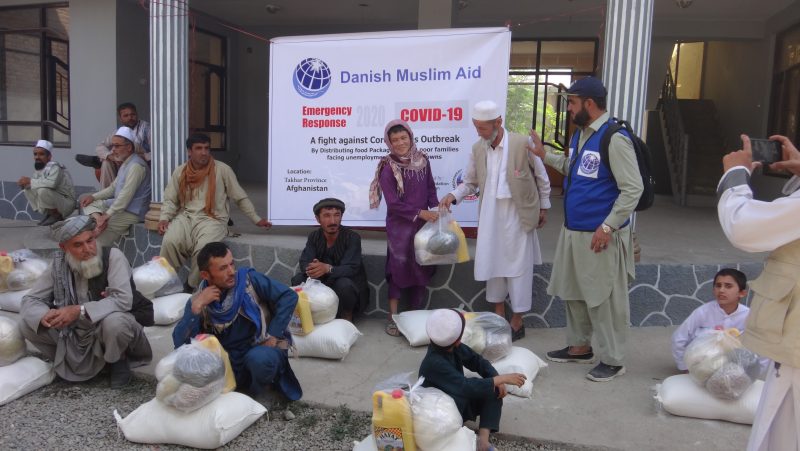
x=322, y=299
x=12, y=344
x=718, y=362
x=474, y=337
x=157, y=278
x=19, y=280
x=193, y=375
x=496, y=332
x=436, y=418
x=441, y=242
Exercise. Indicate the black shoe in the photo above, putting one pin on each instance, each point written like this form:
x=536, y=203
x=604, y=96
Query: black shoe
x=563, y=356
x=120, y=373
x=517, y=334
x=89, y=160
x=604, y=373
x=50, y=220
x=43, y=220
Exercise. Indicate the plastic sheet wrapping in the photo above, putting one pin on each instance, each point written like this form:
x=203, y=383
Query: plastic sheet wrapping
x=157, y=278
x=12, y=344
x=19, y=280
x=322, y=299
x=436, y=418
x=474, y=337
x=718, y=362
x=441, y=242
x=497, y=333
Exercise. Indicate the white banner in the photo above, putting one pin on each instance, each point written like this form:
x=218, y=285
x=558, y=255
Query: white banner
x=330, y=97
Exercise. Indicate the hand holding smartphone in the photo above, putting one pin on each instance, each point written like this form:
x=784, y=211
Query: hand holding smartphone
x=766, y=151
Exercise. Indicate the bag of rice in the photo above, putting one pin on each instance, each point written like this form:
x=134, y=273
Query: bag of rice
x=12, y=343
x=322, y=299
x=156, y=278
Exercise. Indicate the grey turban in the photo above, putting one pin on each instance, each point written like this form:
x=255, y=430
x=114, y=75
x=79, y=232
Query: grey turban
x=71, y=227
x=328, y=202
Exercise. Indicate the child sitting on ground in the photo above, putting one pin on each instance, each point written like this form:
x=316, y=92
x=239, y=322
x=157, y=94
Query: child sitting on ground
x=730, y=287
x=443, y=368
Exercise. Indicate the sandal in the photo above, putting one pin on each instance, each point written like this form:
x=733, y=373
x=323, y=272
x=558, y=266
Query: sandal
x=391, y=328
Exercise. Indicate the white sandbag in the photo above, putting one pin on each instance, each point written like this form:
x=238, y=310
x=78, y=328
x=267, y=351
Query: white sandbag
x=519, y=360
x=169, y=309
x=24, y=376
x=331, y=340
x=680, y=395
x=12, y=300
x=211, y=426
x=156, y=278
x=12, y=343
x=322, y=299
x=436, y=417
x=412, y=325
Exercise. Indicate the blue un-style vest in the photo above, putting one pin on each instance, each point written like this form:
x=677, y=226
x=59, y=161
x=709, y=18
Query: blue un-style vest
x=589, y=189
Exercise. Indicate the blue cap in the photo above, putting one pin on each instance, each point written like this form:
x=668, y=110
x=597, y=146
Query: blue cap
x=587, y=87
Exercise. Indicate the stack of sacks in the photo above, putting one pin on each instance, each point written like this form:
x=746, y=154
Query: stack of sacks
x=718, y=362
x=194, y=404
x=19, y=375
x=329, y=338
x=156, y=278
x=487, y=334
x=519, y=360
x=18, y=271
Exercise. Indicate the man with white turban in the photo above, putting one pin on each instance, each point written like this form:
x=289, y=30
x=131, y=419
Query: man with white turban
x=50, y=191
x=125, y=202
x=443, y=368
x=84, y=312
x=514, y=198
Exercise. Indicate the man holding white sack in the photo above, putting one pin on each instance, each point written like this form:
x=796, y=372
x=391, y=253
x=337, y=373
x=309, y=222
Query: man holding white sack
x=249, y=313
x=773, y=327
x=50, y=191
x=514, y=197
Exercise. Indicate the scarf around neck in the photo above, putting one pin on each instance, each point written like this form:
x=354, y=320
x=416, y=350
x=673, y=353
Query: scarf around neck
x=190, y=181
x=413, y=163
x=222, y=312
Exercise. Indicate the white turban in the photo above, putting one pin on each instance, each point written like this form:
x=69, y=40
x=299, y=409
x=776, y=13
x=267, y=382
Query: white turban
x=485, y=110
x=445, y=327
x=44, y=144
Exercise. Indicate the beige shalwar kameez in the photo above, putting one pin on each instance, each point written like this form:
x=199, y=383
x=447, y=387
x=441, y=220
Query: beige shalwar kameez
x=52, y=188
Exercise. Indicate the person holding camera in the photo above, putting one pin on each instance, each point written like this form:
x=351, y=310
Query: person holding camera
x=773, y=327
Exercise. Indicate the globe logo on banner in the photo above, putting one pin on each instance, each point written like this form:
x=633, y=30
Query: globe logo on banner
x=312, y=78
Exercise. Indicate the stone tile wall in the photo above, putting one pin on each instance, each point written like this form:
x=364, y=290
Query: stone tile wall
x=14, y=204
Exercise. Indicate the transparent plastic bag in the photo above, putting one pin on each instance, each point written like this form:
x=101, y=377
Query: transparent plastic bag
x=322, y=299
x=735, y=376
x=192, y=375
x=19, y=279
x=440, y=242
x=400, y=380
x=708, y=352
x=497, y=332
x=436, y=418
x=157, y=278
x=27, y=268
x=12, y=344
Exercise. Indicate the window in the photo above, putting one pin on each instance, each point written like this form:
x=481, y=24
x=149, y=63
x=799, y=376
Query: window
x=539, y=69
x=785, y=106
x=207, y=86
x=34, y=75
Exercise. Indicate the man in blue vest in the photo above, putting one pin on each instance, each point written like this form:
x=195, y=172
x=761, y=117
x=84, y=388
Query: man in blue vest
x=594, y=255
x=124, y=202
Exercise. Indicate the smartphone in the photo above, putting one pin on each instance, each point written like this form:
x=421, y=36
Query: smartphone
x=766, y=151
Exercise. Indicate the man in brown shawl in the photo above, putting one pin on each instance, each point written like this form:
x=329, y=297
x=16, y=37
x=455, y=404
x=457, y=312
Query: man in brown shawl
x=195, y=209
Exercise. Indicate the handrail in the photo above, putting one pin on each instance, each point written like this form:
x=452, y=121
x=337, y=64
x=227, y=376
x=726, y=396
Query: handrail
x=677, y=147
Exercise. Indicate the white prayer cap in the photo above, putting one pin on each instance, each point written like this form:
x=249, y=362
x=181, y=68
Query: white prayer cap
x=445, y=327
x=485, y=110
x=126, y=133
x=44, y=144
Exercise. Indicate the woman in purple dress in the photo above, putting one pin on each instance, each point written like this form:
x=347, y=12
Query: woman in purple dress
x=405, y=179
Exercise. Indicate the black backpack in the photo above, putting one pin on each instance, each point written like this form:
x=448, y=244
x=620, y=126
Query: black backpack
x=642, y=158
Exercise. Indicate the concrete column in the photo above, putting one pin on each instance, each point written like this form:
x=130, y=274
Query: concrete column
x=436, y=14
x=169, y=88
x=626, y=58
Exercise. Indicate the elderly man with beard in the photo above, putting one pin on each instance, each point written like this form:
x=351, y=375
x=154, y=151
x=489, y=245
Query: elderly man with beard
x=124, y=203
x=333, y=255
x=195, y=209
x=50, y=191
x=514, y=198
x=83, y=313
x=594, y=255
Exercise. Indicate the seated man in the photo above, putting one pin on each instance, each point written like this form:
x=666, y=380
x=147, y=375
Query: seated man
x=249, y=313
x=81, y=312
x=730, y=287
x=333, y=255
x=195, y=209
x=443, y=368
x=127, y=200
x=50, y=191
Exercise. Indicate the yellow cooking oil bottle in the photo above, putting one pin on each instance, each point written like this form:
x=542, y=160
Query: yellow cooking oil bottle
x=301, y=322
x=392, y=424
x=6, y=266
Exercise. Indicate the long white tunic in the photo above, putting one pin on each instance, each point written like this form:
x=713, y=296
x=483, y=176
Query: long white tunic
x=503, y=248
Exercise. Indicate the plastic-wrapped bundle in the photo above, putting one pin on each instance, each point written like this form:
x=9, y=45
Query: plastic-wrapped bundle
x=436, y=418
x=498, y=335
x=20, y=279
x=12, y=344
x=730, y=381
x=474, y=337
x=156, y=278
x=748, y=360
x=443, y=242
x=190, y=377
x=708, y=352
x=322, y=299
x=437, y=243
x=34, y=266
